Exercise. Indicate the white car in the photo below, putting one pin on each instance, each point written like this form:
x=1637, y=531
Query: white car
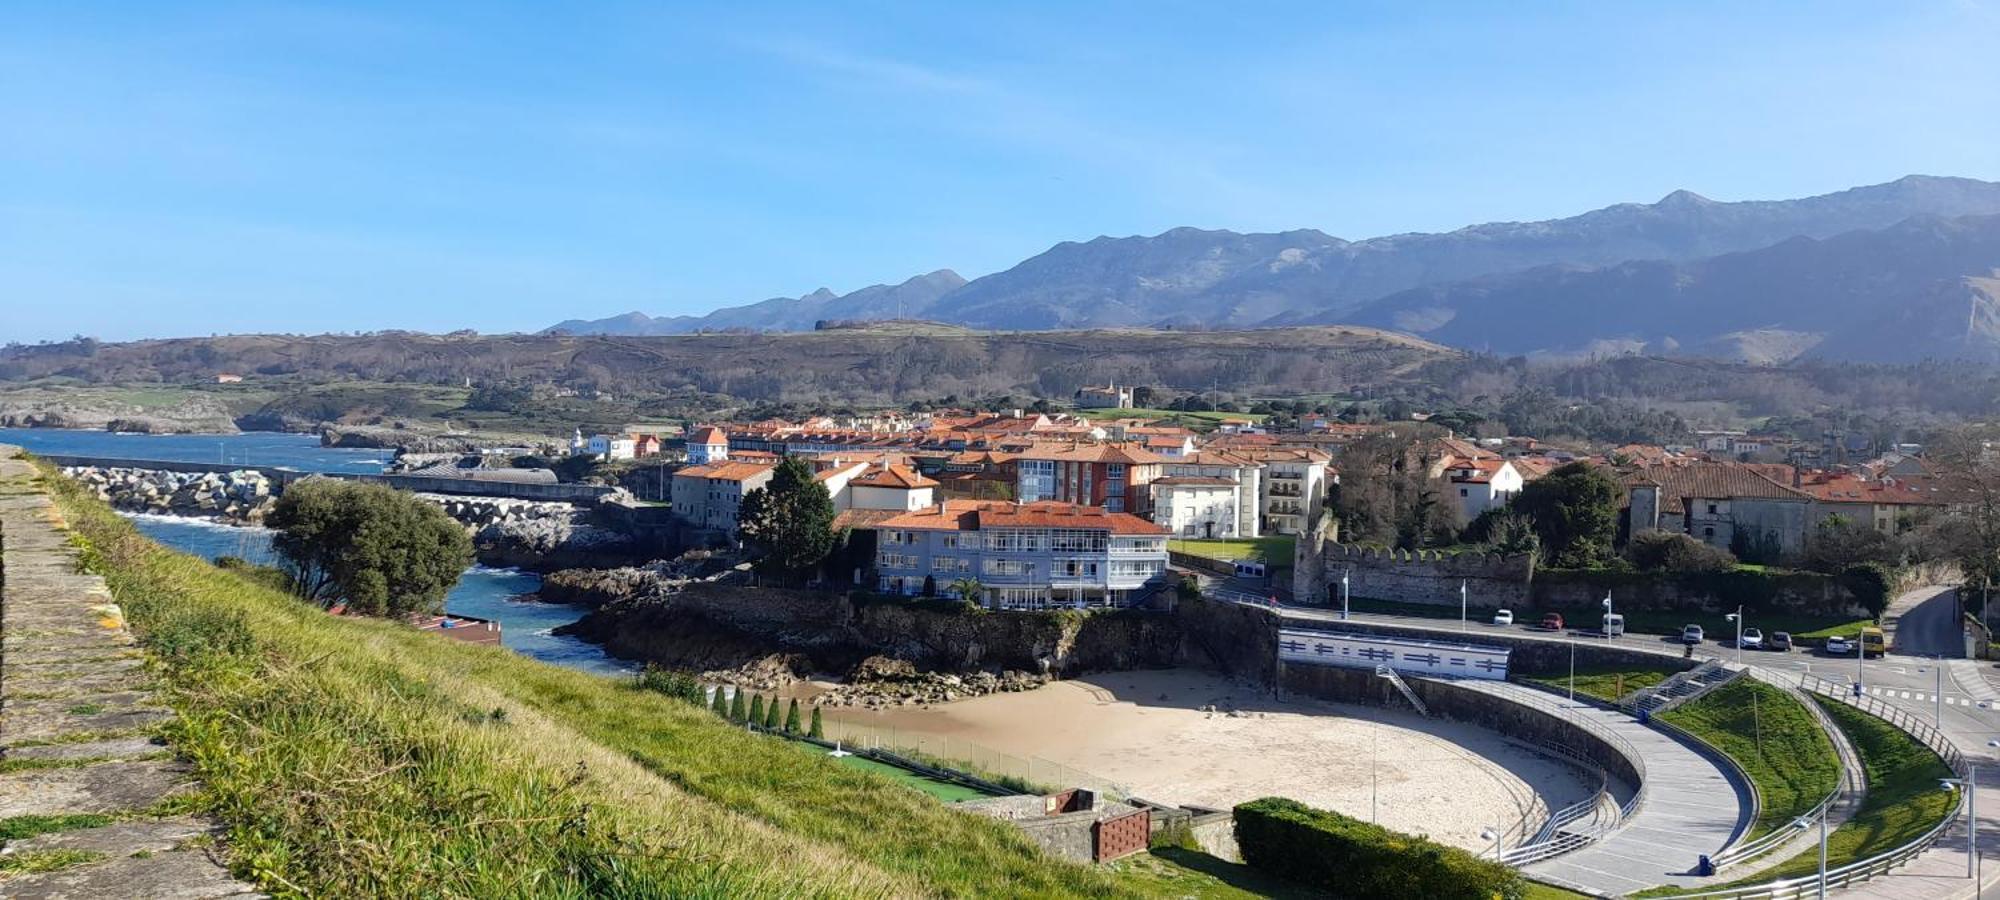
x=1753, y=639
x=1838, y=646
x=1503, y=617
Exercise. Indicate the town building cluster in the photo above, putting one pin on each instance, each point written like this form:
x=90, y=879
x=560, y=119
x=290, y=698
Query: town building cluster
x=1047, y=510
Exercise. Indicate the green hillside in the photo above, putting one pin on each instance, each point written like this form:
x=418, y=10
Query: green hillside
x=360, y=758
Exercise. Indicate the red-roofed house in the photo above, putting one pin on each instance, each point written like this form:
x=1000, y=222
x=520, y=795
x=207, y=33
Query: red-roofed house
x=1113, y=476
x=1481, y=484
x=707, y=445
x=708, y=496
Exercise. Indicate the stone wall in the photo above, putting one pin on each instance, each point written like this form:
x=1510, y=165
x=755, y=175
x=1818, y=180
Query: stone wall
x=1456, y=703
x=1516, y=583
x=1420, y=576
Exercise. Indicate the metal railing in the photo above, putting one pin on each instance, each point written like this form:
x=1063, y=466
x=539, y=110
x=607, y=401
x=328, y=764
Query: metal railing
x=1553, y=840
x=1842, y=876
x=1888, y=860
x=1382, y=670
x=1923, y=731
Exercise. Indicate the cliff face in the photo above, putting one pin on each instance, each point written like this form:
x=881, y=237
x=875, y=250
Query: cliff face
x=710, y=626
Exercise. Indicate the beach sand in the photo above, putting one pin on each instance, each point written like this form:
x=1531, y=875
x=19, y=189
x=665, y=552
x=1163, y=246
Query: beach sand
x=1149, y=733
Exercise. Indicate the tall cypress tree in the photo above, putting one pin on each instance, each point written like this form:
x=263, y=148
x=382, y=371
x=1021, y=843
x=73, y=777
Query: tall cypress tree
x=757, y=709
x=816, y=731
x=737, y=712
x=720, y=705
x=792, y=717
x=771, y=714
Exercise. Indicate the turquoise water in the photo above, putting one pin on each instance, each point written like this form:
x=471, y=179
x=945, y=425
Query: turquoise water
x=254, y=448
x=482, y=592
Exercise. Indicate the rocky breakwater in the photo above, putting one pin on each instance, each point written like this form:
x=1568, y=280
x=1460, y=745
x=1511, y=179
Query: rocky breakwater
x=535, y=535
x=243, y=497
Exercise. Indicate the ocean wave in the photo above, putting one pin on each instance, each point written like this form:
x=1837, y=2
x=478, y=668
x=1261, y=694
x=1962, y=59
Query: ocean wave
x=196, y=522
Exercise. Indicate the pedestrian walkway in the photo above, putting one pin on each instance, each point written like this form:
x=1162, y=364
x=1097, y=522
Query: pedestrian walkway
x=76, y=731
x=1689, y=806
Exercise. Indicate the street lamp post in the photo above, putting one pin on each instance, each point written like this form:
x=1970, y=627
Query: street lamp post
x=1461, y=605
x=1572, y=667
x=1737, y=617
x=1971, y=784
x=1343, y=593
x=1492, y=833
x=1802, y=823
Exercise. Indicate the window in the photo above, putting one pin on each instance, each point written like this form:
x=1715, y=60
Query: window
x=1708, y=533
x=1009, y=567
x=1114, y=504
x=1711, y=509
x=1463, y=492
x=1114, y=470
x=950, y=541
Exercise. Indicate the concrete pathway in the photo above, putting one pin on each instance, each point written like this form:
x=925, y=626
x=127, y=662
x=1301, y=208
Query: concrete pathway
x=1690, y=806
x=76, y=725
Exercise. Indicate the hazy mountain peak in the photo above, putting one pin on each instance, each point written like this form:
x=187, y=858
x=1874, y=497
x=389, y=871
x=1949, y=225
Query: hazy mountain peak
x=1188, y=276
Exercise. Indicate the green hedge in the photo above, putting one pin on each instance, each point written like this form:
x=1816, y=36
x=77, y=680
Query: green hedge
x=1351, y=858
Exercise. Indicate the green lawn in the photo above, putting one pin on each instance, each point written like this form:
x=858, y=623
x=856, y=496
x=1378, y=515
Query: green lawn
x=1775, y=740
x=1181, y=873
x=1607, y=682
x=1275, y=550
x=947, y=791
x=350, y=757
x=1904, y=799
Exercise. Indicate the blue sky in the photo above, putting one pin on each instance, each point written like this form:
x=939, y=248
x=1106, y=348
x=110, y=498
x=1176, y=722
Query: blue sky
x=173, y=169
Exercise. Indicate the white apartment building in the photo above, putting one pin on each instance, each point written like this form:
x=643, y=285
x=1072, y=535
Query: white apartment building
x=1244, y=474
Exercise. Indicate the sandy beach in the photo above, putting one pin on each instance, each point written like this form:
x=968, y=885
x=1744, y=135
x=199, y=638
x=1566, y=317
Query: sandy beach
x=1152, y=733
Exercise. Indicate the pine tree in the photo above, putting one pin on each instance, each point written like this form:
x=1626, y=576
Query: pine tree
x=790, y=519
x=757, y=709
x=816, y=731
x=720, y=705
x=771, y=714
x=736, y=711
x=792, y=717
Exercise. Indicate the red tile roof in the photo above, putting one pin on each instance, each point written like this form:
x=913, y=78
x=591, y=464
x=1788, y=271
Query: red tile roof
x=974, y=515
x=731, y=470
x=894, y=477
x=708, y=435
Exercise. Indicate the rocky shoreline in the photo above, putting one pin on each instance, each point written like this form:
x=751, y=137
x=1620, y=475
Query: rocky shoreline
x=242, y=497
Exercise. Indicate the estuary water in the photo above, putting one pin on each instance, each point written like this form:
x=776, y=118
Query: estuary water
x=482, y=592
x=251, y=448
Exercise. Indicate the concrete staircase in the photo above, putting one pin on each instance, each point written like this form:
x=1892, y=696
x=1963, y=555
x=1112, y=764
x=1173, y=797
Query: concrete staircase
x=1404, y=686
x=1679, y=689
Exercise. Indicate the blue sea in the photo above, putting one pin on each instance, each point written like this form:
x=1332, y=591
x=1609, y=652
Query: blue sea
x=482, y=592
x=251, y=448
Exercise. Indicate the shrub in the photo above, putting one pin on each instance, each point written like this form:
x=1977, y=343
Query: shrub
x=1665, y=551
x=671, y=682
x=720, y=703
x=1872, y=585
x=756, y=716
x=1351, y=858
x=771, y=715
x=816, y=730
x=792, y=717
x=380, y=551
x=737, y=712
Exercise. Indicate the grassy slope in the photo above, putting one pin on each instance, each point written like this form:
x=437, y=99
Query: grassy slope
x=1776, y=741
x=362, y=758
x=1275, y=549
x=1903, y=800
x=1607, y=682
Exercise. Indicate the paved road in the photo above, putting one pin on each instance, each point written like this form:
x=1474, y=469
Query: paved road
x=1686, y=810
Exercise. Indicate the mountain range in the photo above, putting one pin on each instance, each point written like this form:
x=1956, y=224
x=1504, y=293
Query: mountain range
x=1764, y=281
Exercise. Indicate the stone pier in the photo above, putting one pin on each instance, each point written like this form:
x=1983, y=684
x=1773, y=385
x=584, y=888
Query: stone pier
x=89, y=789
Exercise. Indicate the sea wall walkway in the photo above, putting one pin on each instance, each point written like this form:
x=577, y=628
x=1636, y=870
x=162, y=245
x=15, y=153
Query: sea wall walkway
x=77, y=726
x=1688, y=806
